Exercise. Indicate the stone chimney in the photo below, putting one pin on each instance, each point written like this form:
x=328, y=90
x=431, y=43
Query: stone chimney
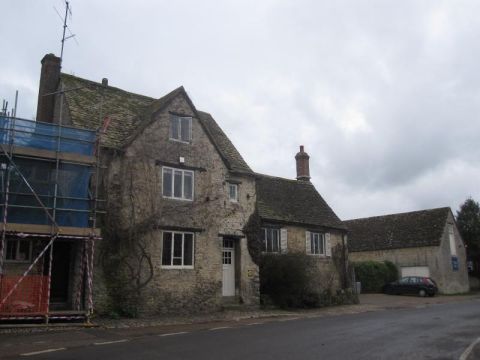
x=49, y=78
x=303, y=167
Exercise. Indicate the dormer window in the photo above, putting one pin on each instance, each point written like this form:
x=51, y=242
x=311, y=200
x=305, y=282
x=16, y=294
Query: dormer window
x=180, y=128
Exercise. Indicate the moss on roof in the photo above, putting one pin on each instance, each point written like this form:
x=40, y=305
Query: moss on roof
x=90, y=102
x=396, y=231
x=293, y=201
x=225, y=147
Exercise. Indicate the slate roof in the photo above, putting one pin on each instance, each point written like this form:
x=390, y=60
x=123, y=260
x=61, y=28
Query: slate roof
x=131, y=113
x=293, y=201
x=396, y=231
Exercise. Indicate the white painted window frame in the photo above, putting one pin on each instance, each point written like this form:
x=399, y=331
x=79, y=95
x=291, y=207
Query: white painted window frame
x=179, y=129
x=265, y=229
x=183, y=198
x=322, y=238
x=183, y=251
x=17, y=249
x=235, y=186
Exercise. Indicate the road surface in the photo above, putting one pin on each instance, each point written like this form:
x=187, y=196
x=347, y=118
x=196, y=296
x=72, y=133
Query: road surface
x=426, y=332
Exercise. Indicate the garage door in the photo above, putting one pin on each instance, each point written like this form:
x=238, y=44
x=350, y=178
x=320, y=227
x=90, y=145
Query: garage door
x=415, y=271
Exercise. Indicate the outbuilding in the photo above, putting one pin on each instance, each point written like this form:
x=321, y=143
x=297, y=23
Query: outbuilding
x=419, y=243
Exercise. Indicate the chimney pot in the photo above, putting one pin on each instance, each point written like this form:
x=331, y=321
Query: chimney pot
x=303, y=167
x=105, y=82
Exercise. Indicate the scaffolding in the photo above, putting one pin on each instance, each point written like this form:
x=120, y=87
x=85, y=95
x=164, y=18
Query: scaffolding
x=48, y=204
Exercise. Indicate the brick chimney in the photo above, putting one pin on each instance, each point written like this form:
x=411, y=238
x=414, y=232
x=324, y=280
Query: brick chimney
x=303, y=168
x=49, y=78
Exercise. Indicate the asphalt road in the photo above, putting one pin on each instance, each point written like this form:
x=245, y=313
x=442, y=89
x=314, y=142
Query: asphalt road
x=428, y=332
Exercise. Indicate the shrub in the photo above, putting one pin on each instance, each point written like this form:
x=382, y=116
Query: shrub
x=392, y=271
x=291, y=281
x=285, y=279
x=374, y=274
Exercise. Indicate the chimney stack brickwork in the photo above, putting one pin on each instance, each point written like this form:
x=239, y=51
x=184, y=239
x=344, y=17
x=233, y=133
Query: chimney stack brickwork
x=303, y=167
x=49, y=79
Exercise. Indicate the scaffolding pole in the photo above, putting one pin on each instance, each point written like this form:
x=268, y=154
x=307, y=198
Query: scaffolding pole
x=87, y=258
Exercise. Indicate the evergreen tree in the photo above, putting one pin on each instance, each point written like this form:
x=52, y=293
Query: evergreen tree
x=468, y=222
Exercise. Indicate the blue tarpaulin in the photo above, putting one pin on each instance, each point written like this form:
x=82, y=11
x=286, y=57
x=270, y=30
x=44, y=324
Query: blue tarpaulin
x=46, y=136
x=72, y=204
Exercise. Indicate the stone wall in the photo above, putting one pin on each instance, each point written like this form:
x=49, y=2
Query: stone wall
x=331, y=275
x=134, y=196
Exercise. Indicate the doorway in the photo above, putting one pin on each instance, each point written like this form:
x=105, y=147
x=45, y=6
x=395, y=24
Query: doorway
x=228, y=261
x=60, y=280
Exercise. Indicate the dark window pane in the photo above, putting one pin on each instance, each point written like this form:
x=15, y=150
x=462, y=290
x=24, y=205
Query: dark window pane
x=188, y=185
x=167, y=182
x=24, y=250
x=188, y=249
x=167, y=249
x=275, y=240
x=177, y=246
x=177, y=184
x=185, y=129
x=321, y=241
x=177, y=262
x=11, y=249
x=174, y=127
x=269, y=240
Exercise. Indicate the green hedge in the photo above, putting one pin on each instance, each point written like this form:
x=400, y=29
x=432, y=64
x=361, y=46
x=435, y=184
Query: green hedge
x=374, y=274
x=287, y=281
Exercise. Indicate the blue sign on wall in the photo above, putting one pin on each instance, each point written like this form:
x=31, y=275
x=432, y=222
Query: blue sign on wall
x=455, y=263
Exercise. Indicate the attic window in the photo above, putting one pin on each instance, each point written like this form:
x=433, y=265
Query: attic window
x=180, y=128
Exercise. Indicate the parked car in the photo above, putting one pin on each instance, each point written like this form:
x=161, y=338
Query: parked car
x=419, y=285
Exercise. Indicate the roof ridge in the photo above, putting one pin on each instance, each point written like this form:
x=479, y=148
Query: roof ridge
x=400, y=213
x=114, y=88
x=285, y=179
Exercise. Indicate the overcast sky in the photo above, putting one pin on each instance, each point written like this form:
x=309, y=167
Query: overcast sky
x=385, y=95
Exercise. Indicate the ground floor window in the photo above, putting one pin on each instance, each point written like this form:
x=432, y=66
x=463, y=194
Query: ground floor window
x=317, y=243
x=271, y=240
x=18, y=250
x=177, y=249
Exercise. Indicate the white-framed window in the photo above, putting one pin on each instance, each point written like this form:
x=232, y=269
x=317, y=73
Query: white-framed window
x=18, y=250
x=317, y=243
x=177, y=183
x=271, y=240
x=233, y=192
x=177, y=250
x=180, y=128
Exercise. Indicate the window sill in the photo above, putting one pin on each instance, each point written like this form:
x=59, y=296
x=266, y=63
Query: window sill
x=180, y=141
x=174, y=198
x=320, y=256
x=176, y=267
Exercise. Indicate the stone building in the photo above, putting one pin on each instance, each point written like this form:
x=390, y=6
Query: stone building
x=419, y=243
x=295, y=218
x=178, y=196
x=174, y=186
